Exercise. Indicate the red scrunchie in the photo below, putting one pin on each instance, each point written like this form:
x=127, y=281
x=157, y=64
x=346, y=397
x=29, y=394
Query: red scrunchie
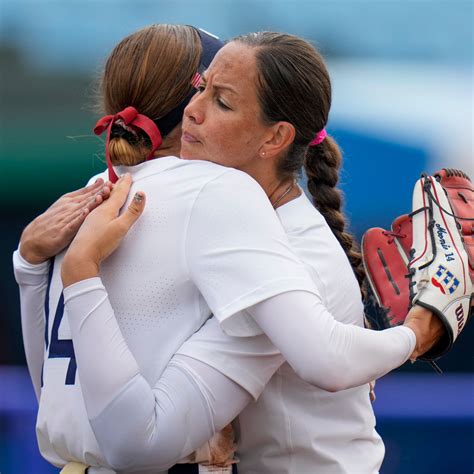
x=130, y=116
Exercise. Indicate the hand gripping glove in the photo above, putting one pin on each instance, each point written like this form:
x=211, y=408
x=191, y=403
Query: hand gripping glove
x=435, y=273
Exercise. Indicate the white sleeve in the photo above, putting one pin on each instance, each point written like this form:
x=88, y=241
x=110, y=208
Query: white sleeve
x=327, y=353
x=238, y=253
x=136, y=424
x=104, y=175
x=248, y=361
x=33, y=282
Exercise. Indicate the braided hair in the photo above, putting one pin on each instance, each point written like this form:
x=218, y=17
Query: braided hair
x=294, y=86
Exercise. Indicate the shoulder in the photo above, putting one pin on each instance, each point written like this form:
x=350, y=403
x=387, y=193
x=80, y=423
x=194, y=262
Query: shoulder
x=214, y=174
x=201, y=172
x=300, y=215
x=104, y=175
x=236, y=203
x=233, y=196
x=234, y=185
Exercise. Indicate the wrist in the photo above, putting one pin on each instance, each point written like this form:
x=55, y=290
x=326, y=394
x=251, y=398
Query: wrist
x=427, y=327
x=415, y=329
x=29, y=254
x=76, y=268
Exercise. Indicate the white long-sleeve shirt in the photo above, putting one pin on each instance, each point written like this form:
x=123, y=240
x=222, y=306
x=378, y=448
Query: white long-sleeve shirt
x=347, y=342
x=158, y=280
x=113, y=387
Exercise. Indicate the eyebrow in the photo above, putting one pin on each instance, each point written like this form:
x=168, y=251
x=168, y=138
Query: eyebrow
x=219, y=86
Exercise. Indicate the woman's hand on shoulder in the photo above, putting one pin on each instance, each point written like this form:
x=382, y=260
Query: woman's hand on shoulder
x=52, y=231
x=101, y=233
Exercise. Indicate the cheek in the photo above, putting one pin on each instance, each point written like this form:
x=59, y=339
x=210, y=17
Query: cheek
x=232, y=142
x=220, y=142
x=235, y=154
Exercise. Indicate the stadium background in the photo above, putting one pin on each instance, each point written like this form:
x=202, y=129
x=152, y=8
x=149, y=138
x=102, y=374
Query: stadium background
x=403, y=103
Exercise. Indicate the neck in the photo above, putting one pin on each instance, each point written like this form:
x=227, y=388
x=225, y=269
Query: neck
x=168, y=151
x=286, y=191
x=171, y=145
x=279, y=191
x=265, y=174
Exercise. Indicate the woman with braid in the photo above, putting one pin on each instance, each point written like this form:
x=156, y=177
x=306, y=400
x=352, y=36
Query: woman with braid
x=290, y=338
x=292, y=427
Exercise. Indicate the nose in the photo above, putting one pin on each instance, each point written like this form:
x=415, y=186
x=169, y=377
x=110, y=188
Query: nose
x=194, y=110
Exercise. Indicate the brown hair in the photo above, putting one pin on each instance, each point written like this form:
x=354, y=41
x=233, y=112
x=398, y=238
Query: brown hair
x=294, y=86
x=150, y=70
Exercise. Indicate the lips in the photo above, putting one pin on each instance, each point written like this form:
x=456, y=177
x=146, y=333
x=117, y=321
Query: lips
x=188, y=138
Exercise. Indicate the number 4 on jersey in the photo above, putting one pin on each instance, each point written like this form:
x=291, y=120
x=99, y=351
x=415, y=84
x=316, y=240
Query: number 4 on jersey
x=59, y=348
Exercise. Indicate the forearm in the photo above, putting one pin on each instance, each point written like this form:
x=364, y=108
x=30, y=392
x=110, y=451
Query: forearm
x=134, y=423
x=77, y=267
x=32, y=282
x=325, y=352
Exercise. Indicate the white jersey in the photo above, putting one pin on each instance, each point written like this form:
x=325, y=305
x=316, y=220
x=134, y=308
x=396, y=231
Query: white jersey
x=150, y=426
x=196, y=245
x=294, y=427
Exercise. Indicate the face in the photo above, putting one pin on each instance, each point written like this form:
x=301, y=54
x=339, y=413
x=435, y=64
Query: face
x=222, y=123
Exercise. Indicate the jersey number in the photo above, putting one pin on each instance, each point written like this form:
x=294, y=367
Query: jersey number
x=59, y=348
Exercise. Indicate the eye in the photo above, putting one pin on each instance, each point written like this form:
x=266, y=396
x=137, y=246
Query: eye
x=200, y=88
x=223, y=105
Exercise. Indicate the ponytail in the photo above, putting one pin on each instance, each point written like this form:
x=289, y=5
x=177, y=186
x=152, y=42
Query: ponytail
x=322, y=163
x=126, y=148
x=151, y=70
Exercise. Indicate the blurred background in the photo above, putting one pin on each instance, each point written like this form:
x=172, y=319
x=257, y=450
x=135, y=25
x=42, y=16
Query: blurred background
x=402, y=75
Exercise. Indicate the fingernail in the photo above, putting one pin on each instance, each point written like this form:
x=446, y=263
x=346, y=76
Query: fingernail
x=138, y=198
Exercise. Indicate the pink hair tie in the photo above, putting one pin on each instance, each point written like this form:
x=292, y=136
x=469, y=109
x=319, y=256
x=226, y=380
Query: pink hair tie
x=320, y=136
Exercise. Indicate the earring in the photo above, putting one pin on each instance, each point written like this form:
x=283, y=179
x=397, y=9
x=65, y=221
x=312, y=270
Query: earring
x=262, y=153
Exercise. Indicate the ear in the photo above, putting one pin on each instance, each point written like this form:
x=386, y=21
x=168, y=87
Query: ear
x=281, y=135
